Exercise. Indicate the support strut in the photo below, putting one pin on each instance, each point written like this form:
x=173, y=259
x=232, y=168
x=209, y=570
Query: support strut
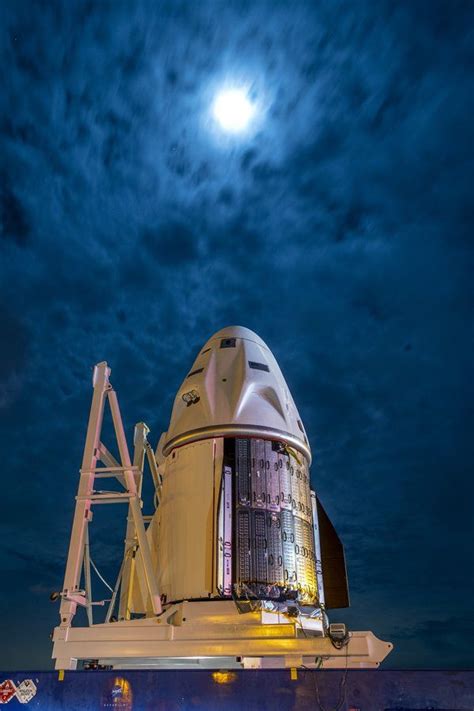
x=130, y=476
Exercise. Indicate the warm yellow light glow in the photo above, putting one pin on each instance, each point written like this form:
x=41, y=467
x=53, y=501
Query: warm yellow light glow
x=224, y=677
x=122, y=694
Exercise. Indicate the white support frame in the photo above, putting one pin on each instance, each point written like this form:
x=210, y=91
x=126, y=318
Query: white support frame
x=214, y=635
x=130, y=476
x=128, y=570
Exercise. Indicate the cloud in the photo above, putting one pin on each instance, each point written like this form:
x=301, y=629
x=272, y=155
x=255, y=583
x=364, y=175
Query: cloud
x=14, y=222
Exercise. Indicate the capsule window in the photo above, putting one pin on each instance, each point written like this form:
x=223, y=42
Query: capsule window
x=259, y=366
x=228, y=343
x=195, y=372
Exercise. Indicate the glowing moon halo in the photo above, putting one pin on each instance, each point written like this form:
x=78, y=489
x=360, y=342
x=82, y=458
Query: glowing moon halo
x=233, y=110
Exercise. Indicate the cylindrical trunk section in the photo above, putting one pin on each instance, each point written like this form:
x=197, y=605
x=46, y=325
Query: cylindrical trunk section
x=266, y=547
x=235, y=521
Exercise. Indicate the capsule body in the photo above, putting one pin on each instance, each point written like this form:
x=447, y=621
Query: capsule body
x=235, y=519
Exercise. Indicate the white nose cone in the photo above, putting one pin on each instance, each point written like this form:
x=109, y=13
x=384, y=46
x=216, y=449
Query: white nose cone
x=235, y=388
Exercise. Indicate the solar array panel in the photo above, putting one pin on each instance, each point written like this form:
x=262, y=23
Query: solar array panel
x=274, y=543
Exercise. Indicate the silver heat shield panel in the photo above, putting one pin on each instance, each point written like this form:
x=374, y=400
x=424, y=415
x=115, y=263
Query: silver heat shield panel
x=273, y=544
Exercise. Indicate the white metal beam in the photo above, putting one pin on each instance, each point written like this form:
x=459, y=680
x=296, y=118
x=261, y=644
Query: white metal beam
x=83, y=503
x=128, y=574
x=135, y=505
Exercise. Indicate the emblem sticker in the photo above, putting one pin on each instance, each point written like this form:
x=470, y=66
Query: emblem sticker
x=7, y=691
x=25, y=691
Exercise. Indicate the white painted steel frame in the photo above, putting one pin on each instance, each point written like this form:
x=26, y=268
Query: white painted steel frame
x=130, y=477
x=216, y=635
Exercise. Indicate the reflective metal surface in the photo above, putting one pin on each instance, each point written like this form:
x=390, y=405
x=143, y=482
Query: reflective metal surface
x=236, y=431
x=274, y=543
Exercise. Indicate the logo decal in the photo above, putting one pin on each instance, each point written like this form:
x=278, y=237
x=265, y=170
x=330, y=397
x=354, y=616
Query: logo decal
x=24, y=691
x=7, y=691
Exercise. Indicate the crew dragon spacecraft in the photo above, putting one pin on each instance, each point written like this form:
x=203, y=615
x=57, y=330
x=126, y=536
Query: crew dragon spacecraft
x=239, y=563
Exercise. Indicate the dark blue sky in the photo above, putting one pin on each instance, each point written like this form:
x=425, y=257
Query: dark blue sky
x=340, y=230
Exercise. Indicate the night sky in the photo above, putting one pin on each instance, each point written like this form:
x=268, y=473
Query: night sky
x=338, y=227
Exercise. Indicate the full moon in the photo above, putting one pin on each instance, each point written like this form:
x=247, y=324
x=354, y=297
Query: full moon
x=233, y=110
